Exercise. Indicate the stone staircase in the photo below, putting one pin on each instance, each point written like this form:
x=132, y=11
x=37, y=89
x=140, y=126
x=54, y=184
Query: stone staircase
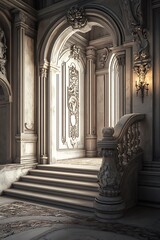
x=149, y=184
x=60, y=186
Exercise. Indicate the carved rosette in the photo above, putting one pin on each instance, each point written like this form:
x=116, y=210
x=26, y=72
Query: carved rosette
x=73, y=104
x=76, y=17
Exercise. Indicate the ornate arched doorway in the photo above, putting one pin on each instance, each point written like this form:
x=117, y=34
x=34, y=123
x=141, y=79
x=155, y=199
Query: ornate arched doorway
x=89, y=51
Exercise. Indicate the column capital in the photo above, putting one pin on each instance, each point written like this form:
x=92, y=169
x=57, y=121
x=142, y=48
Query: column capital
x=23, y=21
x=91, y=52
x=19, y=18
x=43, y=72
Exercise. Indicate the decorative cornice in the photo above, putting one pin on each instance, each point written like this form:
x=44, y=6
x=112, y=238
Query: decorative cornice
x=22, y=19
x=26, y=137
x=56, y=8
x=19, y=17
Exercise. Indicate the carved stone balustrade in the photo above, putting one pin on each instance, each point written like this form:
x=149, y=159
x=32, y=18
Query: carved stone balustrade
x=121, y=159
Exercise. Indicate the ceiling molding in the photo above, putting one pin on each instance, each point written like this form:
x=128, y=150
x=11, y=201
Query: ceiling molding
x=19, y=5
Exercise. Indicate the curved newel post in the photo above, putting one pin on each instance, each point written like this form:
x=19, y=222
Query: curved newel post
x=109, y=203
x=121, y=154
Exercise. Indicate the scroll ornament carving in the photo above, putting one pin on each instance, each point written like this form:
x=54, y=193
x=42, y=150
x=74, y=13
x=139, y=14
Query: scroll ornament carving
x=75, y=52
x=29, y=126
x=3, y=48
x=142, y=44
x=76, y=17
x=133, y=10
x=103, y=57
x=134, y=17
x=73, y=104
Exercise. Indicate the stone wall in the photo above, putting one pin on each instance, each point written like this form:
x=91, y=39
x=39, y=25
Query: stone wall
x=11, y=173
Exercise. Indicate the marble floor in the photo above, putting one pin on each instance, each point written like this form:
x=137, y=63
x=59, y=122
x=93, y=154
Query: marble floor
x=23, y=220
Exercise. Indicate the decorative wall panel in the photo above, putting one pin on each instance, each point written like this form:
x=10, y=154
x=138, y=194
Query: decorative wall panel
x=3, y=48
x=29, y=84
x=73, y=104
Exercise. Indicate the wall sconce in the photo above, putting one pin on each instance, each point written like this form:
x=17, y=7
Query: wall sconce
x=141, y=85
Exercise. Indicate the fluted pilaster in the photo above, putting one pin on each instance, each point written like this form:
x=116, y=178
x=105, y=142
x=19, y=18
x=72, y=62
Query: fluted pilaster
x=43, y=115
x=91, y=138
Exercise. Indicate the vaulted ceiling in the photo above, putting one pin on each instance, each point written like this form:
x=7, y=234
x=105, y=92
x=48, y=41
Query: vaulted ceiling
x=39, y=4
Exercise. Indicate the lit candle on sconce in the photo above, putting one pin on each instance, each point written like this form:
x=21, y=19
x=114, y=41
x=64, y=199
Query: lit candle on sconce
x=141, y=85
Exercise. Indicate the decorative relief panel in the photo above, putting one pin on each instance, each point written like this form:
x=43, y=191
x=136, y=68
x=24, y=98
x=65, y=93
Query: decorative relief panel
x=73, y=104
x=63, y=103
x=3, y=48
x=75, y=52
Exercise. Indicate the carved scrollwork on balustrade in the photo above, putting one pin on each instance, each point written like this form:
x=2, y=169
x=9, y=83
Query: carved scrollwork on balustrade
x=108, y=176
x=117, y=152
x=117, y=178
x=129, y=146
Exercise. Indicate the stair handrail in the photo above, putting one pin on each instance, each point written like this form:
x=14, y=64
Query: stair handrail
x=118, y=147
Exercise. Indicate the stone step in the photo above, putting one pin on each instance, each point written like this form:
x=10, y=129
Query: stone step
x=151, y=166
x=56, y=191
x=149, y=184
x=63, y=175
x=60, y=182
x=62, y=186
x=67, y=202
x=67, y=168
